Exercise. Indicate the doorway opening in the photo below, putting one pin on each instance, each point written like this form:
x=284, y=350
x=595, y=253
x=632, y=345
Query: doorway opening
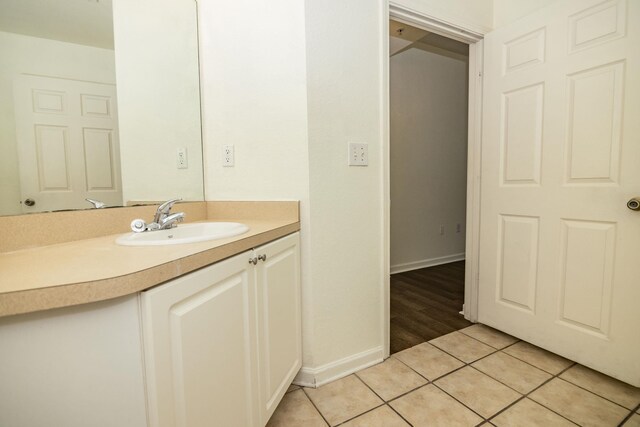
x=429, y=94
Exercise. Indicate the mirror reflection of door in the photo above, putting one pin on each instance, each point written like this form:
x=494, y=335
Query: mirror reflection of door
x=67, y=143
x=57, y=97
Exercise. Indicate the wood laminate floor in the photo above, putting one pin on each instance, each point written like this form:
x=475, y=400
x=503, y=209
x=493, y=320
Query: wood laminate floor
x=426, y=304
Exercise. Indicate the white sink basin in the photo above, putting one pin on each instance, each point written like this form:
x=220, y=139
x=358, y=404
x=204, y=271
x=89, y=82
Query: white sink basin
x=184, y=233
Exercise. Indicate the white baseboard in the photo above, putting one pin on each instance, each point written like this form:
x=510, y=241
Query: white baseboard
x=315, y=377
x=415, y=265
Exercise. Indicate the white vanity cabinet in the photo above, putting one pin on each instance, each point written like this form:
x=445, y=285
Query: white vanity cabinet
x=222, y=344
x=278, y=320
x=76, y=366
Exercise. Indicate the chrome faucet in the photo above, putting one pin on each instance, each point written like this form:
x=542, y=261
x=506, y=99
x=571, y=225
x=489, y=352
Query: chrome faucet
x=163, y=210
x=162, y=220
x=171, y=220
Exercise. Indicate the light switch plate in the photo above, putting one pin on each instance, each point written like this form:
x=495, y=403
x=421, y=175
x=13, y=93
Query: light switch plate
x=358, y=154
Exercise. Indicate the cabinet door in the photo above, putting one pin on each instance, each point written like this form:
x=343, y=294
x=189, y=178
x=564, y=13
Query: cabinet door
x=279, y=321
x=200, y=358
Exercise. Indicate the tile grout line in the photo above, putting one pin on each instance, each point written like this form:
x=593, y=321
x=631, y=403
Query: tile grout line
x=523, y=396
x=517, y=340
x=398, y=396
x=628, y=417
x=542, y=385
x=359, y=415
x=428, y=380
x=468, y=336
x=526, y=396
x=537, y=367
x=497, y=380
x=590, y=391
x=457, y=358
x=469, y=364
x=315, y=407
x=465, y=364
x=457, y=400
x=399, y=414
x=386, y=402
x=424, y=385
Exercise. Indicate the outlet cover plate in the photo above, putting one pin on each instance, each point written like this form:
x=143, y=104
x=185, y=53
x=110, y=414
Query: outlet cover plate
x=182, y=160
x=228, y=156
x=358, y=154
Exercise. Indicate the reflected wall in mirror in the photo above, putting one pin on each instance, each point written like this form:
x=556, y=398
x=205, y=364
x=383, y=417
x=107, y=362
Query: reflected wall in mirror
x=64, y=133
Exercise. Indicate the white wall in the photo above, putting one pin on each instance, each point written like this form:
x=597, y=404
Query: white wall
x=290, y=120
x=345, y=91
x=31, y=55
x=158, y=98
x=428, y=103
x=506, y=11
x=476, y=15
x=289, y=84
x=253, y=76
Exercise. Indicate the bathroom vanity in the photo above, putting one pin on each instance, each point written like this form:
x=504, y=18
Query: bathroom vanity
x=222, y=344
x=201, y=334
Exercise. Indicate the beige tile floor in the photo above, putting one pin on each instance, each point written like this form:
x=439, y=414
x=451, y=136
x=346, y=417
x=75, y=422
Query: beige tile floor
x=475, y=376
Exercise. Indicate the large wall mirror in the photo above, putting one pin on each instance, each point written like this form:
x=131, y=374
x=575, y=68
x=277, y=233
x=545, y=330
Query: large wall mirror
x=99, y=99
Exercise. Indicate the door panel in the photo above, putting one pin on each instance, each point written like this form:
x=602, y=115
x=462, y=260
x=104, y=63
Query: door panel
x=52, y=157
x=559, y=250
x=68, y=145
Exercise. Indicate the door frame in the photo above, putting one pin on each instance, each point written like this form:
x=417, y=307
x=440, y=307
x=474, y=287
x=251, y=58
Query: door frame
x=474, y=39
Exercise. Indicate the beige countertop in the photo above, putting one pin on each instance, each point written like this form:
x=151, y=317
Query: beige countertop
x=95, y=269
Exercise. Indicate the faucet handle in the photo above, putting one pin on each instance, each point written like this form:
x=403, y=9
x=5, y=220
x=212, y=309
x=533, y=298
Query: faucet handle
x=164, y=209
x=166, y=206
x=97, y=204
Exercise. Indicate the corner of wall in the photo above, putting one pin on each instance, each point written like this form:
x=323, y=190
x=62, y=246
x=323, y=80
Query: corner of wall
x=316, y=377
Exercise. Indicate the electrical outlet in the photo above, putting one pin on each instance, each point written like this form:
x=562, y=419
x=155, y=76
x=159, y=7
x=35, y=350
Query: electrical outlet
x=442, y=230
x=228, y=159
x=182, y=158
x=358, y=154
x=458, y=228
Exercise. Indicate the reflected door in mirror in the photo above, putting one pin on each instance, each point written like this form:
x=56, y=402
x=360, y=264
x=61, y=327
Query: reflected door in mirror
x=67, y=143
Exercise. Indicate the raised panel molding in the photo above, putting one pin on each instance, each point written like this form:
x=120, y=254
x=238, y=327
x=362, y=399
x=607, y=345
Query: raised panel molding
x=596, y=25
x=99, y=159
x=52, y=153
x=192, y=372
x=48, y=101
x=594, y=125
x=586, y=283
x=521, y=136
x=518, y=261
x=95, y=105
x=525, y=51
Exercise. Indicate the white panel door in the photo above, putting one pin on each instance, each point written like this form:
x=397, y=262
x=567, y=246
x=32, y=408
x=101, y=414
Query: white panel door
x=559, y=249
x=279, y=320
x=67, y=132
x=200, y=352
